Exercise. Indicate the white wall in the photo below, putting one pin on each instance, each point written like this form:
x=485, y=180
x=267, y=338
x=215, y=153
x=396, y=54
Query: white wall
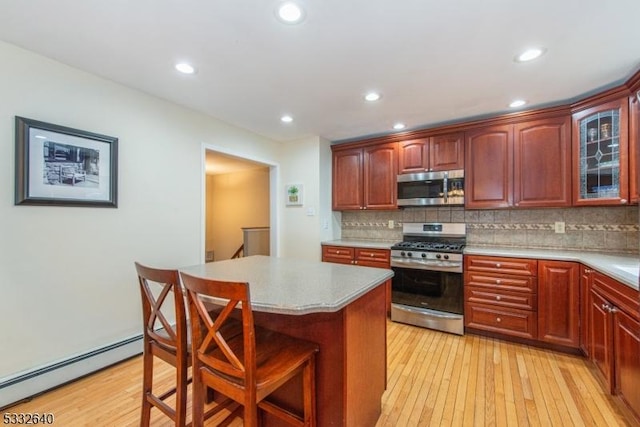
x=67, y=280
x=307, y=162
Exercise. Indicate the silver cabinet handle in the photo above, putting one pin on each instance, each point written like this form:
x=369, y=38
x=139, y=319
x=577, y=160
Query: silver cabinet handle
x=623, y=201
x=498, y=298
x=498, y=319
x=498, y=265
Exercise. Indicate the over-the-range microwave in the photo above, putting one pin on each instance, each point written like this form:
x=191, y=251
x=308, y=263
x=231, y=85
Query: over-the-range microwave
x=431, y=188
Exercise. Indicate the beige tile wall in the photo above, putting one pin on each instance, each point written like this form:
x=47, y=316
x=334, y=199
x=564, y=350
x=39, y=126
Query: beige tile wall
x=587, y=228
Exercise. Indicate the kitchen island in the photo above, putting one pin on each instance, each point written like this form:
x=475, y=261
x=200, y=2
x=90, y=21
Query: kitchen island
x=340, y=307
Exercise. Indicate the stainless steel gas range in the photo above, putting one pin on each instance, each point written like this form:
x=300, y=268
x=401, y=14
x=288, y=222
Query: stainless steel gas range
x=427, y=288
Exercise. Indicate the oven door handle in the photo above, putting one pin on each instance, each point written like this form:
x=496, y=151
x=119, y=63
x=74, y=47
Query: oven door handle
x=437, y=266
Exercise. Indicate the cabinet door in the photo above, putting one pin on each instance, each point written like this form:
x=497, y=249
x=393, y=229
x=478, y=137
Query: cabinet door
x=634, y=148
x=347, y=179
x=542, y=163
x=446, y=152
x=600, y=149
x=627, y=359
x=489, y=168
x=601, y=329
x=380, y=174
x=413, y=156
x=585, y=304
x=558, y=302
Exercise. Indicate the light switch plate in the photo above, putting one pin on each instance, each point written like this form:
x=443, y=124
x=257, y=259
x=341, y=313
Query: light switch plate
x=559, y=227
x=391, y=223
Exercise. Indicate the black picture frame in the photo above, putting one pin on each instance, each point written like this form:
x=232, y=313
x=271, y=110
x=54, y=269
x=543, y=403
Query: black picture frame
x=62, y=166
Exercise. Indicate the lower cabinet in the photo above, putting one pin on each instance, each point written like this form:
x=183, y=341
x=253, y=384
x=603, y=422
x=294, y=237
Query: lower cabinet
x=559, y=303
x=526, y=298
x=615, y=338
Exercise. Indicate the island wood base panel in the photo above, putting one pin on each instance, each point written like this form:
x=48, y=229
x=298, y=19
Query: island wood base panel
x=351, y=367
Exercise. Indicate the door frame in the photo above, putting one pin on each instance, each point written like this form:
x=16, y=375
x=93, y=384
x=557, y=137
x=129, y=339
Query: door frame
x=274, y=179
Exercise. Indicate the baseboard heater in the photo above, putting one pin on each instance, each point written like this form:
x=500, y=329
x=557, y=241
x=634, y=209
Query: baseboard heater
x=31, y=383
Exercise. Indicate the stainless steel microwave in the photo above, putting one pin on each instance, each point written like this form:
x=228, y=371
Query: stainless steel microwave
x=431, y=188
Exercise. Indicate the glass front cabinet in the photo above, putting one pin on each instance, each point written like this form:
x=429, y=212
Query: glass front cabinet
x=600, y=147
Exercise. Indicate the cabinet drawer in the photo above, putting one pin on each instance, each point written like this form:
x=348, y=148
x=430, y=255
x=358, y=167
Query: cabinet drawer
x=520, y=323
x=502, y=282
x=520, y=300
x=339, y=254
x=363, y=256
x=514, y=266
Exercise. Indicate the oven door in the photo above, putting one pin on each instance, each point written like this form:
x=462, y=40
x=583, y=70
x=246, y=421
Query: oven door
x=429, y=299
x=435, y=290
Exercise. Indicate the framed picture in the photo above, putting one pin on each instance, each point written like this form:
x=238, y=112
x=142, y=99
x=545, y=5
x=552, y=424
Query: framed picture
x=57, y=165
x=294, y=194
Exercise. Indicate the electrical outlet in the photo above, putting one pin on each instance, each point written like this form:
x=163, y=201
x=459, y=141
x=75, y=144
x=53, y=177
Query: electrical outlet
x=559, y=226
x=391, y=223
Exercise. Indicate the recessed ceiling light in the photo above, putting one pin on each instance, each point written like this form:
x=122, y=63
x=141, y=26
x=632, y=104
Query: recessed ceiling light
x=399, y=126
x=517, y=103
x=290, y=13
x=372, y=96
x=530, y=54
x=185, y=68
x=286, y=119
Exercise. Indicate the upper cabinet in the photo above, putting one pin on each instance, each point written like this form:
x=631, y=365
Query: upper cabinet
x=542, y=163
x=365, y=178
x=436, y=153
x=489, y=167
x=523, y=165
x=600, y=150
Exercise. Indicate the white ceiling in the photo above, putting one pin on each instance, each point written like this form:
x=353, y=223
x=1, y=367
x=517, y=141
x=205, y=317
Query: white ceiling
x=433, y=61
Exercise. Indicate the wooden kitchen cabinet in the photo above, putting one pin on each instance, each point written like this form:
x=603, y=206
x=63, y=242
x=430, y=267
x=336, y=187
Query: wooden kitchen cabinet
x=364, y=257
x=436, y=153
x=615, y=338
x=365, y=178
x=542, y=163
x=600, y=151
x=559, y=303
x=523, y=165
x=501, y=295
x=489, y=168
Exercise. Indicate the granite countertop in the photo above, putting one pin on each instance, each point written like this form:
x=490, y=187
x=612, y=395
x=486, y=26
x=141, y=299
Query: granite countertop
x=362, y=243
x=622, y=267
x=295, y=286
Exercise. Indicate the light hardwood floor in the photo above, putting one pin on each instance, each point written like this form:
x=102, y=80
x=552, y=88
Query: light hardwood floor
x=434, y=379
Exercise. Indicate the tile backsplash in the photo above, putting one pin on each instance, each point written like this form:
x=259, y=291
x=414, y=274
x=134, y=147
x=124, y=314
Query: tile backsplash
x=586, y=228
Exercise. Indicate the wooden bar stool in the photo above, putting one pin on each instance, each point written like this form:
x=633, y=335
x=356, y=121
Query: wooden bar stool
x=247, y=367
x=163, y=340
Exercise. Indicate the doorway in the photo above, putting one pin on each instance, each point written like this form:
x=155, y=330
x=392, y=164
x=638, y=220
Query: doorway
x=237, y=197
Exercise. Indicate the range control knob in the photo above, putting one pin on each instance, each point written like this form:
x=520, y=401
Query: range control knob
x=402, y=253
x=409, y=254
x=438, y=256
x=424, y=255
x=446, y=257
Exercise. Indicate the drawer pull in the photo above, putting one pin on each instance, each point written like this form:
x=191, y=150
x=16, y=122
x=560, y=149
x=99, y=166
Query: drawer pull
x=337, y=252
x=498, y=265
x=498, y=298
x=371, y=255
x=497, y=281
x=498, y=319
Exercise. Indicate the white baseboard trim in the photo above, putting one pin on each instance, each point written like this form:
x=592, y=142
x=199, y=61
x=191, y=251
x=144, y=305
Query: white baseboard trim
x=31, y=383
